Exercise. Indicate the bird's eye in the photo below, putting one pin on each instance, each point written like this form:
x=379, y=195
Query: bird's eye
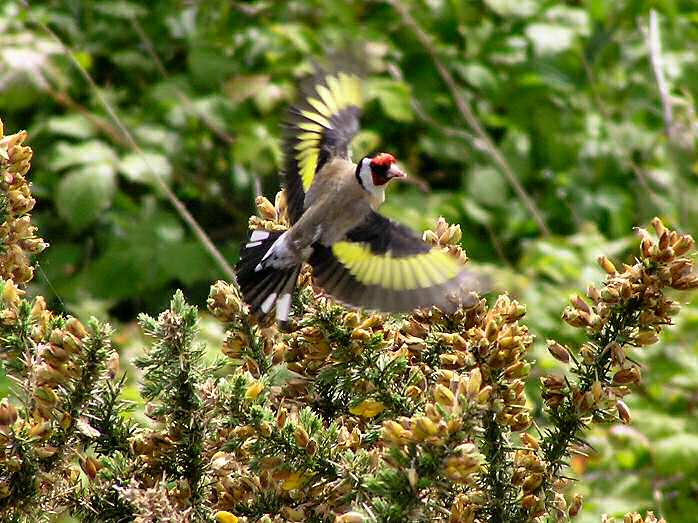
x=379, y=173
x=380, y=170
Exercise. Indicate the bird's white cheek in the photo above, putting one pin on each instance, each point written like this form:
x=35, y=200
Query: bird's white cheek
x=366, y=178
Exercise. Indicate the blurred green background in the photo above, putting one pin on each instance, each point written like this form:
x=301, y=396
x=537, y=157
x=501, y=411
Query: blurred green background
x=566, y=90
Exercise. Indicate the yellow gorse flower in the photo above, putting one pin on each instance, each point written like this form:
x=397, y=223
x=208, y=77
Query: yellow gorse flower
x=296, y=480
x=367, y=408
x=254, y=390
x=223, y=516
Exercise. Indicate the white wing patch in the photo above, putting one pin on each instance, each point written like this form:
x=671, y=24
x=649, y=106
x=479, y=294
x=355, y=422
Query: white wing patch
x=259, y=234
x=268, y=302
x=283, y=307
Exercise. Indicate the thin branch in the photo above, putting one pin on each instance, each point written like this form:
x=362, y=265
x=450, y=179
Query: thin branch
x=644, y=182
x=425, y=117
x=468, y=115
x=494, y=240
x=169, y=194
x=65, y=100
x=421, y=113
x=654, y=43
x=186, y=101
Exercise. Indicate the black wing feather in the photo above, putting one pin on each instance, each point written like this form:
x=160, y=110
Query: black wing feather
x=449, y=282
x=384, y=235
x=336, y=129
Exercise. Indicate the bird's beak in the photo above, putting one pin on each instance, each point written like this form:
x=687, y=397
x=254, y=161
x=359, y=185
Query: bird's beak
x=396, y=172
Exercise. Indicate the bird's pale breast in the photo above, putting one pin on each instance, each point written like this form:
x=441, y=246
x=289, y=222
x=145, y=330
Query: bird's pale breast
x=334, y=204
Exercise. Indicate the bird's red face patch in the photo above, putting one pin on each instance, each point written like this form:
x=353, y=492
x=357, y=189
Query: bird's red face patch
x=380, y=165
x=383, y=160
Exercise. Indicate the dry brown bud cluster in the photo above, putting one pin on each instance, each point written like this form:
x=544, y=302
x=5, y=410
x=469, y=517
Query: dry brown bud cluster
x=466, y=370
x=447, y=236
x=17, y=235
x=635, y=290
x=628, y=311
x=272, y=216
x=48, y=375
x=634, y=517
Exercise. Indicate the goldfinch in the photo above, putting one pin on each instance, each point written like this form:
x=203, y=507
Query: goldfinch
x=358, y=257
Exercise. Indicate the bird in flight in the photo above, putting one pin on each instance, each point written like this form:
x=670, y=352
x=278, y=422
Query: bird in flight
x=358, y=256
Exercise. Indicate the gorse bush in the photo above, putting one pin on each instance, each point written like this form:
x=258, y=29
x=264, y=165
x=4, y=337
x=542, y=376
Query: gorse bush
x=349, y=417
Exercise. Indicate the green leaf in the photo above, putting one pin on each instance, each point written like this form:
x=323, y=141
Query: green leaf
x=121, y=9
x=83, y=194
x=506, y=8
x=364, y=143
x=85, y=153
x=208, y=66
x=186, y=261
x=677, y=452
x=476, y=213
x=256, y=145
x=478, y=75
x=72, y=125
x=550, y=38
x=157, y=136
x=296, y=34
x=131, y=263
x=487, y=186
x=240, y=88
x=142, y=168
x=394, y=97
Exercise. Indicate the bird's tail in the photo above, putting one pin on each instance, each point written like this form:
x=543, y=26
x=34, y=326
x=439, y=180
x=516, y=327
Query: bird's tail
x=263, y=287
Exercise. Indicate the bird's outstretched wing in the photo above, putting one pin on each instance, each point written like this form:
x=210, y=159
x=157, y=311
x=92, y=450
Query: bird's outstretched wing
x=320, y=127
x=385, y=266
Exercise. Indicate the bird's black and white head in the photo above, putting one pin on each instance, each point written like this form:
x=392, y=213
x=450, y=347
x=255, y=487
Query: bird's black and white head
x=374, y=172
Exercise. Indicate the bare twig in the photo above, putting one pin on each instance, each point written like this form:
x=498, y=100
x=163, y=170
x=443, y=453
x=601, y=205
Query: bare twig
x=467, y=113
x=497, y=246
x=672, y=129
x=186, y=101
x=169, y=194
x=452, y=132
x=65, y=100
x=654, y=43
x=425, y=117
x=644, y=182
x=601, y=107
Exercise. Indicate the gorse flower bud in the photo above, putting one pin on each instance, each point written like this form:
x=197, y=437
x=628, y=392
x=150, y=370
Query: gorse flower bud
x=17, y=235
x=350, y=517
x=623, y=411
x=266, y=209
x=8, y=414
x=254, y=390
x=224, y=301
x=627, y=376
x=607, y=265
x=576, y=505
x=559, y=352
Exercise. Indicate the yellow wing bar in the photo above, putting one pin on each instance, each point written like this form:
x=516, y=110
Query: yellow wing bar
x=417, y=271
x=334, y=95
